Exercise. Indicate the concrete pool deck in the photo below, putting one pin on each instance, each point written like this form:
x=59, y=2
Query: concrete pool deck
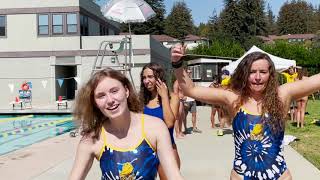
x=204, y=156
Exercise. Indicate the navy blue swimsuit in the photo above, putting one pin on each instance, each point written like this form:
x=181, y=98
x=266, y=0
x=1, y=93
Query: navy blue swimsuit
x=158, y=112
x=139, y=162
x=258, y=151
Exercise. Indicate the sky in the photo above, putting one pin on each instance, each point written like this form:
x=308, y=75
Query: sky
x=201, y=10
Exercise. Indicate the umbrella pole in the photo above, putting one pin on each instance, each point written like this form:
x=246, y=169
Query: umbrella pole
x=130, y=47
x=130, y=57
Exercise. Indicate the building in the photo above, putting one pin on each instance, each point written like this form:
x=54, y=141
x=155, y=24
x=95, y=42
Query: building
x=53, y=45
x=205, y=69
x=290, y=38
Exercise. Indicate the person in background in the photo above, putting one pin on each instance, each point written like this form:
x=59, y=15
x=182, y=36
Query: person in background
x=291, y=75
x=158, y=102
x=181, y=117
x=215, y=109
x=127, y=143
x=302, y=102
x=190, y=105
x=258, y=106
x=224, y=111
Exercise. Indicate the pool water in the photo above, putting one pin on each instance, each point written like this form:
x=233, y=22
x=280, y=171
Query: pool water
x=17, y=132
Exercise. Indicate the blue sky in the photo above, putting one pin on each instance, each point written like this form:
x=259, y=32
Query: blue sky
x=202, y=9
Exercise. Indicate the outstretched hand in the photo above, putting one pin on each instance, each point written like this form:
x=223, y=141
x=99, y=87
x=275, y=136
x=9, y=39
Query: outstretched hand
x=177, y=51
x=162, y=88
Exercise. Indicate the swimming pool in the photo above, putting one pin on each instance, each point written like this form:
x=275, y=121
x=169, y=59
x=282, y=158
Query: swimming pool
x=17, y=132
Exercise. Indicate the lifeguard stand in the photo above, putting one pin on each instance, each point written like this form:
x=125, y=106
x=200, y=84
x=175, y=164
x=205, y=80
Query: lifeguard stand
x=107, y=49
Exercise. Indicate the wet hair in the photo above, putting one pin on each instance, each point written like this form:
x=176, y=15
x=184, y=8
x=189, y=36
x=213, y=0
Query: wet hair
x=158, y=73
x=225, y=72
x=271, y=103
x=87, y=113
x=302, y=72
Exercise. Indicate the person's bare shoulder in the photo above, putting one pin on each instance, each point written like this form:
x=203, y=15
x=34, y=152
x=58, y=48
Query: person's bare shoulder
x=90, y=143
x=152, y=122
x=154, y=127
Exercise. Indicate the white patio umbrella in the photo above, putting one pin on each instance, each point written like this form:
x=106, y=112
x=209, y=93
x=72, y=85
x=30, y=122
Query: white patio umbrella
x=128, y=11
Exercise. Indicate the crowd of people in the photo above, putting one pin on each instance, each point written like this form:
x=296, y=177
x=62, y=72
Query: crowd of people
x=133, y=135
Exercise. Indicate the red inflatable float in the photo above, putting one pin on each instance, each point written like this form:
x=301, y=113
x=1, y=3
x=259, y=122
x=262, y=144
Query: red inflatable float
x=25, y=86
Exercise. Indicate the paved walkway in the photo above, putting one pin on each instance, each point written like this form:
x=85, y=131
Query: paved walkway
x=204, y=156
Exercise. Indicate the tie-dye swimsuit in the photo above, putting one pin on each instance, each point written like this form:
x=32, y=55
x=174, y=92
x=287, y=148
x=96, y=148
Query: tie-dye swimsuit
x=139, y=162
x=258, y=151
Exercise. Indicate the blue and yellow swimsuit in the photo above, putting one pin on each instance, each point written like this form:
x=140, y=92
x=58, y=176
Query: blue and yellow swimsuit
x=158, y=112
x=139, y=162
x=258, y=151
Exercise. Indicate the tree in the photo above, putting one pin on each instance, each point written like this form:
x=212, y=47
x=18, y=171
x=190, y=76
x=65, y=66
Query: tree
x=271, y=23
x=179, y=22
x=203, y=30
x=152, y=26
x=231, y=19
x=243, y=20
x=254, y=22
x=216, y=32
x=296, y=17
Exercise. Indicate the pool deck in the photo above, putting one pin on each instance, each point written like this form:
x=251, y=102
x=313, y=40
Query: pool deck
x=38, y=109
x=204, y=156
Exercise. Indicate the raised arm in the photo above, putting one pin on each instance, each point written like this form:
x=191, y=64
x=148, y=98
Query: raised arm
x=299, y=89
x=174, y=104
x=204, y=94
x=83, y=161
x=168, y=114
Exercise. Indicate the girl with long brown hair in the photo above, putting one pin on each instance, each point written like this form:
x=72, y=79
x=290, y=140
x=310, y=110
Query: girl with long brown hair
x=258, y=106
x=159, y=102
x=127, y=143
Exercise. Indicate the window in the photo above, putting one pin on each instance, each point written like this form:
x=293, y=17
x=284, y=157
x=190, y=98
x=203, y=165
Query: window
x=84, y=26
x=197, y=72
x=57, y=24
x=209, y=73
x=72, y=23
x=103, y=30
x=43, y=24
x=2, y=25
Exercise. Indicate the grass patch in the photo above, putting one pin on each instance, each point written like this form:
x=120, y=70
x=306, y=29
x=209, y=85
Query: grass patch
x=309, y=144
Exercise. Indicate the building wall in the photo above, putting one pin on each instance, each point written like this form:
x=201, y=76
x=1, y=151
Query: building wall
x=22, y=35
x=7, y=4
x=35, y=70
x=25, y=56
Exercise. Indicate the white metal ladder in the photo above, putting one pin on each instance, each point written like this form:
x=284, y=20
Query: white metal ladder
x=106, y=49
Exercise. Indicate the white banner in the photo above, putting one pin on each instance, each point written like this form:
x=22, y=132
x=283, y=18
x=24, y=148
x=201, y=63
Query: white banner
x=44, y=83
x=77, y=79
x=60, y=81
x=11, y=87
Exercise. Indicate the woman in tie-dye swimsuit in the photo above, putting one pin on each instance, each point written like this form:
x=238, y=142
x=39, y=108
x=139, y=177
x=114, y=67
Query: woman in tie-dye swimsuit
x=128, y=144
x=258, y=106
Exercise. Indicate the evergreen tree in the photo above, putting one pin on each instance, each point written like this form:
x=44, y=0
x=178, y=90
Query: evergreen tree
x=231, y=19
x=202, y=30
x=243, y=20
x=271, y=23
x=254, y=22
x=179, y=22
x=296, y=17
x=152, y=26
